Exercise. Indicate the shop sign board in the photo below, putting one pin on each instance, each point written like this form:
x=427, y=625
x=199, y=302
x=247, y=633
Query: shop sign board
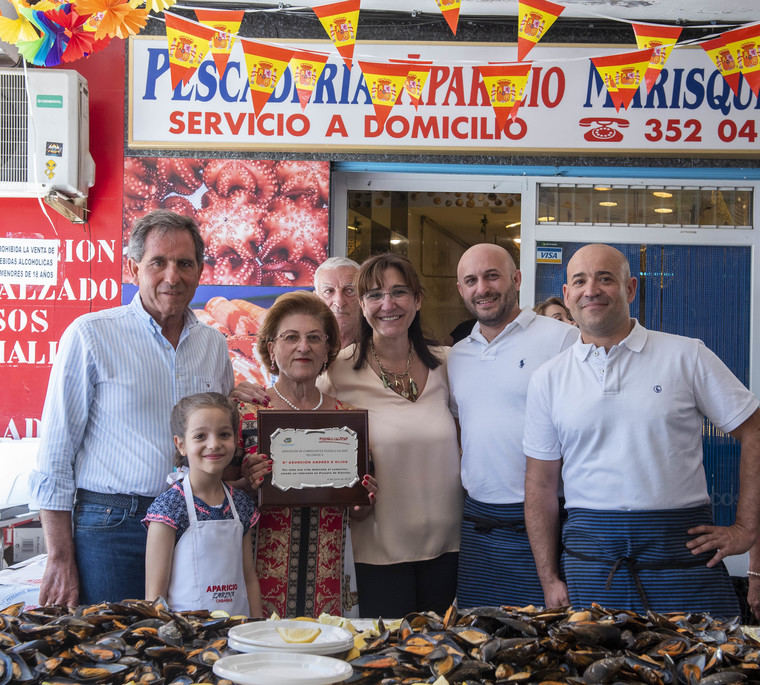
x=690, y=110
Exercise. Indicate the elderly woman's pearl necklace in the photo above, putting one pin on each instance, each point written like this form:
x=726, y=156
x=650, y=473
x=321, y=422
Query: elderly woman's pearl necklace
x=293, y=406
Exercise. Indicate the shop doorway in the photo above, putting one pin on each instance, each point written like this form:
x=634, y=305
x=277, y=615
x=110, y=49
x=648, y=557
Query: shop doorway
x=432, y=221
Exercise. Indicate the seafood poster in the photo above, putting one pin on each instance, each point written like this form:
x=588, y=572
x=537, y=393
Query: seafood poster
x=264, y=225
x=263, y=222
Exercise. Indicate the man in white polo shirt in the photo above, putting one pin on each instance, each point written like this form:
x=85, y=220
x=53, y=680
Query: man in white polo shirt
x=488, y=379
x=619, y=415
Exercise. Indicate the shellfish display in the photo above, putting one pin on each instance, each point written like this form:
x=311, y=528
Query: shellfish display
x=136, y=641
x=133, y=641
x=548, y=646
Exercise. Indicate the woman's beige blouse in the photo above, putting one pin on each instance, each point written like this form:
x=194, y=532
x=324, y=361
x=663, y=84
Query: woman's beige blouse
x=418, y=510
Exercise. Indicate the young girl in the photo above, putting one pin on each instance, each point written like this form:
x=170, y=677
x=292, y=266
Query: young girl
x=199, y=553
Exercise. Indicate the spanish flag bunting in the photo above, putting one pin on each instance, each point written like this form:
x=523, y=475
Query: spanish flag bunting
x=662, y=39
x=340, y=20
x=225, y=24
x=720, y=55
x=744, y=44
x=622, y=74
x=188, y=44
x=415, y=79
x=384, y=83
x=265, y=65
x=306, y=67
x=450, y=11
x=505, y=84
x=534, y=19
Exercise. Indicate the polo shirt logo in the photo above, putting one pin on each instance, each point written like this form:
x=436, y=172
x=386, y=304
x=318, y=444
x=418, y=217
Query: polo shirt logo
x=522, y=363
x=657, y=388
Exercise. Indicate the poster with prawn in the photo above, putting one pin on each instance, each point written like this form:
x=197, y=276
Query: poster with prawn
x=263, y=222
x=236, y=312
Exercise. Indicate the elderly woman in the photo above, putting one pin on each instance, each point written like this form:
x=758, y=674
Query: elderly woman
x=299, y=550
x=406, y=549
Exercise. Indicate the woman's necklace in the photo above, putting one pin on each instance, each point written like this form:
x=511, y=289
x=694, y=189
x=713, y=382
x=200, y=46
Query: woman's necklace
x=293, y=406
x=403, y=384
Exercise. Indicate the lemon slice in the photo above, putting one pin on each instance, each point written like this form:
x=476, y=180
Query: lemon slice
x=299, y=635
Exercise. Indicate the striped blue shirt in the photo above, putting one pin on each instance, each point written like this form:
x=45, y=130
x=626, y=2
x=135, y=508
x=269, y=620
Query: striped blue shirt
x=105, y=425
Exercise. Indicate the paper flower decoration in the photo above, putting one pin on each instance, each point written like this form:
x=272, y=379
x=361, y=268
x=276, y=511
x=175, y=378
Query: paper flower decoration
x=14, y=30
x=81, y=43
x=158, y=5
x=34, y=51
x=119, y=19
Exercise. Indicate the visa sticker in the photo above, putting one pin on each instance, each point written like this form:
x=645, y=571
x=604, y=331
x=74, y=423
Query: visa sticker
x=548, y=255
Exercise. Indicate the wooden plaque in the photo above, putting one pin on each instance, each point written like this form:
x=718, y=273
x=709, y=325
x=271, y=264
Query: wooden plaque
x=311, y=446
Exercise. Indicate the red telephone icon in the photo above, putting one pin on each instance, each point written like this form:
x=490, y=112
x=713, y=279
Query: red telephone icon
x=604, y=130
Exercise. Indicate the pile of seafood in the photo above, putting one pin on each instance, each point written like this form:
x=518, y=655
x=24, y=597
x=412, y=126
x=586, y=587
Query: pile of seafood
x=136, y=641
x=132, y=641
x=529, y=645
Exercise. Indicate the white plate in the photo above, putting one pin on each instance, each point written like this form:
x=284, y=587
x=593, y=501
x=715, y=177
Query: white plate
x=327, y=650
x=265, y=668
x=264, y=635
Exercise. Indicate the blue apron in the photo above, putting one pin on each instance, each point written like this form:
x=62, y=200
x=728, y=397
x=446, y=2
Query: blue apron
x=638, y=560
x=495, y=561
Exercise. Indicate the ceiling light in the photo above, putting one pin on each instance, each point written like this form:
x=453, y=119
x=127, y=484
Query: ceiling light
x=602, y=188
x=395, y=241
x=608, y=203
x=663, y=210
x=514, y=225
x=545, y=218
x=662, y=193
x=516, y=241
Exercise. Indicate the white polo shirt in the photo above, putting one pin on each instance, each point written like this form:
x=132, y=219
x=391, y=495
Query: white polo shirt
x=628, y=423
x=488, y=383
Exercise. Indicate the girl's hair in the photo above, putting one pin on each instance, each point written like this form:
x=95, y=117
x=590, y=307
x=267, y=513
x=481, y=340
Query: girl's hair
x=297, y=302
x=540, y=308
x=370, y=276
x=203, y=400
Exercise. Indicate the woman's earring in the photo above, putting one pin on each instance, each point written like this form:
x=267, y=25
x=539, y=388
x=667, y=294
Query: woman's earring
x=271, y=366
x=324, y=366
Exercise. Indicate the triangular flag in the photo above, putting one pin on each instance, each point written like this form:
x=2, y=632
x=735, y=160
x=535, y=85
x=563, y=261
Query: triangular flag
x=662, y=39
x=226, y=24
x=534, y=19
x=450, y=11
x=384, y=83
x=505, y=84
x=720, y=55
x=416, y=78
x=340, y=20
x=188, y=44
x=743, y=44
x=622, y=74
x=265, y=65
x=306, y=68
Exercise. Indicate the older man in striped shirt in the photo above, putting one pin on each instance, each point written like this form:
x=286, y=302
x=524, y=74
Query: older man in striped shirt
x=106, y=446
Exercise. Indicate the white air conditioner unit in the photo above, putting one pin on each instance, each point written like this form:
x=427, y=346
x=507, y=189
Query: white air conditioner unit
x=45, y=136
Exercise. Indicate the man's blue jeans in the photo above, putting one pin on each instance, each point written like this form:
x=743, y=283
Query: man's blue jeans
x=110, y=553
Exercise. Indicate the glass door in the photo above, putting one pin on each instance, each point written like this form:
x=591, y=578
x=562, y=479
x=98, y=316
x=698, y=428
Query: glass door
x=432, y=219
